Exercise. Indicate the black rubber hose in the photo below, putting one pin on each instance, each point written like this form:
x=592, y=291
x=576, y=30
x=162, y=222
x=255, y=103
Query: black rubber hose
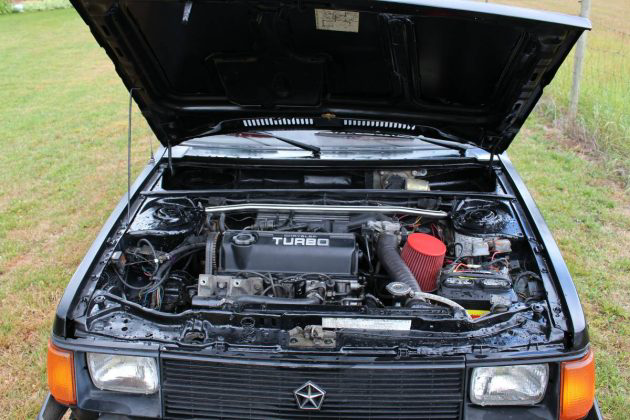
x=389, y=257
x=175, y=256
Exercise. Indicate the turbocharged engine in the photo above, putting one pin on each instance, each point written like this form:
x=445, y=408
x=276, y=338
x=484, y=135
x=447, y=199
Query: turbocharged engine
x=314, y=265
x=184, y=255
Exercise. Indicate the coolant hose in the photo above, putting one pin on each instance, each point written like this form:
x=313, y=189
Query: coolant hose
x=389, y=257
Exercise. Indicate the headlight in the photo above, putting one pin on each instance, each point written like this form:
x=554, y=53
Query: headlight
x=509, y=385
x=137, y=375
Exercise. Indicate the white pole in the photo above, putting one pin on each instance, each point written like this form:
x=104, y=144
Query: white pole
x=578, y=63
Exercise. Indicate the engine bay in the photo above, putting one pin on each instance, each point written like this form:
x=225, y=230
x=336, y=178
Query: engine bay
x=301, y=265
x=184, y=252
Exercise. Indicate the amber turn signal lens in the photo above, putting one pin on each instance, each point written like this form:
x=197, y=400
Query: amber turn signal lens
x=578, y=387
x=61, y=375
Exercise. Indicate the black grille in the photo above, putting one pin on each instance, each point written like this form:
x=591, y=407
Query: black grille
x=237, y=389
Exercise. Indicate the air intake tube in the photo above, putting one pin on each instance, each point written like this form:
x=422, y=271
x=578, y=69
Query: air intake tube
x=387, y=252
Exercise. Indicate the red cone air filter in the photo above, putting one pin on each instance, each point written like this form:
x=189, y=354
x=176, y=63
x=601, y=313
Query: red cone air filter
x=424, y=255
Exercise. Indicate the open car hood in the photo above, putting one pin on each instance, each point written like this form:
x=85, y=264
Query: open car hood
x=471, y=71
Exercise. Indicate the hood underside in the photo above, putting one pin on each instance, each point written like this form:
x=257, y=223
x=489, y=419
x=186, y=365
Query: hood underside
x=472, y=71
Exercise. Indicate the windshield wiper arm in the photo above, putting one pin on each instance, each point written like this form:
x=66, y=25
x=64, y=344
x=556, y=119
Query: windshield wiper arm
x=449, y=144
x=314, y=149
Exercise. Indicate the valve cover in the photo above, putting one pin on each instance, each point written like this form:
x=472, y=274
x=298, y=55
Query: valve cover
x=288, y=253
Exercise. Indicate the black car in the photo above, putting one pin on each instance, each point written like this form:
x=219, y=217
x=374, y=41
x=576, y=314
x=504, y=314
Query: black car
x=332, y=228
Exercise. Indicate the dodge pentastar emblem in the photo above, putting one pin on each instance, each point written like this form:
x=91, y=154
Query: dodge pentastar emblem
x=309, y=396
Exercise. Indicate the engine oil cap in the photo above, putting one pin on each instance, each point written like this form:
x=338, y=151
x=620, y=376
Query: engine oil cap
x=244, y=238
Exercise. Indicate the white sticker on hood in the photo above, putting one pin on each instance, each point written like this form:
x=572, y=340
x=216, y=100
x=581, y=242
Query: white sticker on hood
x=336, y=20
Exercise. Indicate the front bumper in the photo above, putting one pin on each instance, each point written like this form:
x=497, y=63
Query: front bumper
x=52, y=410
x=595, y=413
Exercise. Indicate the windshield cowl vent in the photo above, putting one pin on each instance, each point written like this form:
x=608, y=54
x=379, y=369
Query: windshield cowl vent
x=311, y=122
x=277, y=122
x=378, y=124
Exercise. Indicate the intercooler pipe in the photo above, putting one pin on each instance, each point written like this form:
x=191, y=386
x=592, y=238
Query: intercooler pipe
x=389, y=257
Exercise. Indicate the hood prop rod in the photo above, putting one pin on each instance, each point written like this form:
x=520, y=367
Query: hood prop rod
x=129, y=154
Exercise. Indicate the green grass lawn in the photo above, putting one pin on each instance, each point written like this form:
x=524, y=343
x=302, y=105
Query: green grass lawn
x=603, y=125
x=63, y=137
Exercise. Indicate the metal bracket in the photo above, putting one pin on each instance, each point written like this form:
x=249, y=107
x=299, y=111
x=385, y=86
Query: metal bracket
x=227, y=286
x=312, y=336
x=403, y=353
x=194, y=331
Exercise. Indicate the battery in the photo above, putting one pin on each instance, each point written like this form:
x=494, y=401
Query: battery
x=473, y=289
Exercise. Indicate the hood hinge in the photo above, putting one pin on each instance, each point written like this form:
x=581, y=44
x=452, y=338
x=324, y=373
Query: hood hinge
x=187, y=9
x=170, y=157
